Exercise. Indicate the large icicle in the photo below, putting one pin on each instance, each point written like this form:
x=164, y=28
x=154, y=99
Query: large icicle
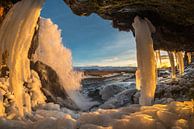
x=189, y=57
x=158, y=59
x=172, y=63
x=52, y=52
x=16, y=33
x=180, y=62
x=145, y=59
x=138, y=79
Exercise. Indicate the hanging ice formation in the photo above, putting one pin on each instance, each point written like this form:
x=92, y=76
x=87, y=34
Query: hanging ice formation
x=172, y=64
x=16, y=33
x=158, y=59
x=189, y=57
x=180, y=62
x=145, y=59
x=52, y=52
x=138, y=79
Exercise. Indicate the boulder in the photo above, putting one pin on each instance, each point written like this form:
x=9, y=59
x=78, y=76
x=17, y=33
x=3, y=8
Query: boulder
x=121, y=99
x=109, y=91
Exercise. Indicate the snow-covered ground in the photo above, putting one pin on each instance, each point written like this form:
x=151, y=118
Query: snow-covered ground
x=118, y=106
x=175, y=115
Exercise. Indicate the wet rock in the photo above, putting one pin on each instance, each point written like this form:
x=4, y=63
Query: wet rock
x=95, y=95
x=121, y=99
x=109, y=91
x=51, y=86
x=136, y=98
x=12, y=124
x=49, y=106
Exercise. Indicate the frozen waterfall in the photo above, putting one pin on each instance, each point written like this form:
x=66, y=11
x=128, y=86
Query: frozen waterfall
x=16, y=33
x=145, y=59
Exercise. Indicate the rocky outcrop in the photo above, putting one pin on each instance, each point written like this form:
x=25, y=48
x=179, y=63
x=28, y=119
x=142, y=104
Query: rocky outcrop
x=51, y=86
x=173, y=19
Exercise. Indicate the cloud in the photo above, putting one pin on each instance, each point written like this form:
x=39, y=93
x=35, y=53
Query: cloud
x=111, y=59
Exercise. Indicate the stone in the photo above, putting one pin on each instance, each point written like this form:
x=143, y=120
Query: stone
x=121, y=99
x=109, y=91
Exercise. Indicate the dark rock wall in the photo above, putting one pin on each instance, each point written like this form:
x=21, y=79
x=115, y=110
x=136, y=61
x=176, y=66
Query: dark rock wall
x=173, y=19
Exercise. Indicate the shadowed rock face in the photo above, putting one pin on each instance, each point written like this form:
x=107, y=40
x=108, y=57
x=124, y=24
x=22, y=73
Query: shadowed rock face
x=173, y=19
x=51, y=86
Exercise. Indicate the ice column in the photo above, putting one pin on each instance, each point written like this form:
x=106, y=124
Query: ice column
x=145, y=59
x=189, y=57
x=16, y=34
x=172, y=63
x=138, y=79
x=180, y=62
x=158, y=59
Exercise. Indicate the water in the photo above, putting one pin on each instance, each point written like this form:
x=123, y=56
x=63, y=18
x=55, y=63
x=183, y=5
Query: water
x=16, y=34
x=52, y=52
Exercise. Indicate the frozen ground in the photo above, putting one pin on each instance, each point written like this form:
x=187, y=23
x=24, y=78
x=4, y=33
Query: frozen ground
x=175, y=115
x=118, y=106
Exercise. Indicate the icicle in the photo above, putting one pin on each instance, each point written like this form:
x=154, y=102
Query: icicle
x=138, y=79
x=189, y=57
x=172, y=63
x=158, y=59
x=180, y=62
x=16, y=33
x=145, y=59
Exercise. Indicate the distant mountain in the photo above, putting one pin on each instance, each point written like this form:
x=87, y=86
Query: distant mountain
x=104, y=68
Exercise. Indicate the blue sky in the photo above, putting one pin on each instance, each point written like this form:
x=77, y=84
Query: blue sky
x=92, y=40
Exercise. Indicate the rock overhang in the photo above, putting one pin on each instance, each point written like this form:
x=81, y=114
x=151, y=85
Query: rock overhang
x=173, y=19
